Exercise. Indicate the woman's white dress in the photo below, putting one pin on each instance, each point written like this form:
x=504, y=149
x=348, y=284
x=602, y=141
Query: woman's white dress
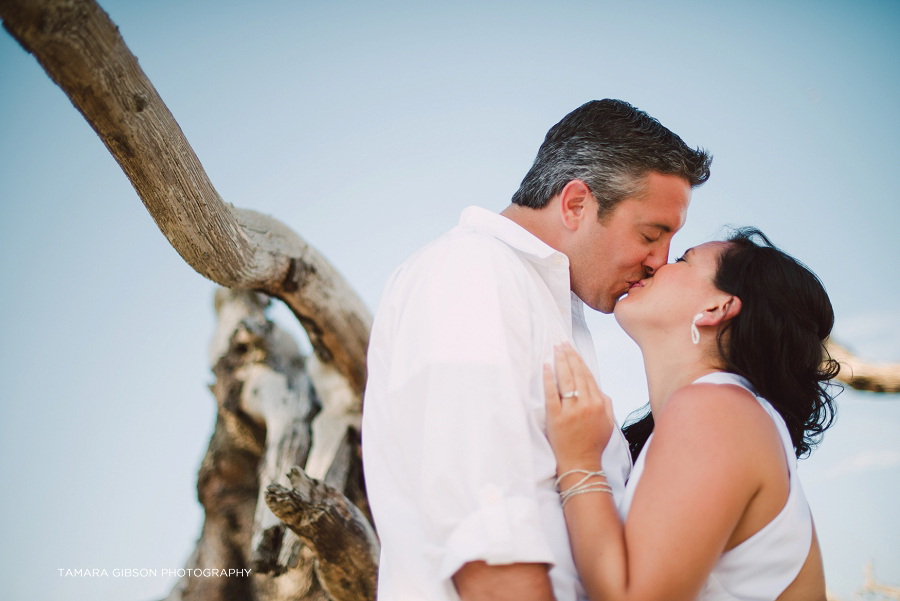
x=760, y=568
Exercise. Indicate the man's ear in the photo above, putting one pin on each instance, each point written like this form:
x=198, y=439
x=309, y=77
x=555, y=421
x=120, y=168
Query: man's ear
x=727, y=307
x=574, y=203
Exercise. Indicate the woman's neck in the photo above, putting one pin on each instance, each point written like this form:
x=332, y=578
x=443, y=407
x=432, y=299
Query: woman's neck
x=670, y=367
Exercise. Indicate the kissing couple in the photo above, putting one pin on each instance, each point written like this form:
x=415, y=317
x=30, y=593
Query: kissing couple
x=493, y=463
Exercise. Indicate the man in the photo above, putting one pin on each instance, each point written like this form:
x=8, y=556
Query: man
x=459, y=473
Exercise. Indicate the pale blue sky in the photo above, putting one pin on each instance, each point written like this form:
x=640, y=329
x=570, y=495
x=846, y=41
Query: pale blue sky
x=367, y=128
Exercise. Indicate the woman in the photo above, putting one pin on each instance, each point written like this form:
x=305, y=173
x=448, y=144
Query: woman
x=732, y=338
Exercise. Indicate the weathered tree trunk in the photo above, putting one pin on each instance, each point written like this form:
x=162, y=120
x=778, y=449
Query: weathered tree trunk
x=266, y=408
x=267, y=400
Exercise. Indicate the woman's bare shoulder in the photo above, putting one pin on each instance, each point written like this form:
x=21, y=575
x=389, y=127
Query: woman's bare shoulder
x=716, y=426
x=705, y=405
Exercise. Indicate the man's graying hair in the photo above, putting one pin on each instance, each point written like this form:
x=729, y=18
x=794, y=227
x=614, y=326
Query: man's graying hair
x=610, y=146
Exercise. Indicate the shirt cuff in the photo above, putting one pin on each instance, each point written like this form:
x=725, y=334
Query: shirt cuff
x=503, y=530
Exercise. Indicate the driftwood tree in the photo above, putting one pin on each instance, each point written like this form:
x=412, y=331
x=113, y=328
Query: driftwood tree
x=282, y=418
x=278, y=413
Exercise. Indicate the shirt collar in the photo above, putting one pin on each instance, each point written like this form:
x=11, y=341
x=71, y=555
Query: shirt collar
x=513, y=234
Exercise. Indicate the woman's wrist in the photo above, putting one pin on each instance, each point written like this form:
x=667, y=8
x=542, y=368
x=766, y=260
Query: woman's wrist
x=577, y=481
x=569, y=474
x=566, y=466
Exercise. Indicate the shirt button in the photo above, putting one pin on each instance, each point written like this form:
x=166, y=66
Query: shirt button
x=557, y=260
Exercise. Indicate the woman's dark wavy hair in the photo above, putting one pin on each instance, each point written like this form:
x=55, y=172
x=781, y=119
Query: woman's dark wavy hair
x=776, y=341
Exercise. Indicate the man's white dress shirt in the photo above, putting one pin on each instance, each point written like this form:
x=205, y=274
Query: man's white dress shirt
x=456, y=460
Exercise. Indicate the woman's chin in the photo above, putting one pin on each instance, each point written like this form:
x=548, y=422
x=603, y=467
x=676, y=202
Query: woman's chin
x=620, y=311
x=626, y=316
x=623, y=300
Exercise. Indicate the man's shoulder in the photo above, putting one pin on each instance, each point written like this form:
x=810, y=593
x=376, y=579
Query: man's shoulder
x=461, y=264
x=463, y=247
x=463, y=239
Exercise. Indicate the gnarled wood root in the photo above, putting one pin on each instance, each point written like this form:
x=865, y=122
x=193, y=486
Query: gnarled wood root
x=335, y=530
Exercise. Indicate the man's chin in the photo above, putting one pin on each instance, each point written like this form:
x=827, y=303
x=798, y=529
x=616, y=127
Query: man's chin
x=605, y=305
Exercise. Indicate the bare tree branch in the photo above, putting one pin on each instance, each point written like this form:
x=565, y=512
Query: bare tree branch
x=864, y=375
x=81, y=50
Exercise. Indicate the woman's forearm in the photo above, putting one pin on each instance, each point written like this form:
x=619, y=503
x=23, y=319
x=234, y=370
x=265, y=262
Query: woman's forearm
x=597, y=537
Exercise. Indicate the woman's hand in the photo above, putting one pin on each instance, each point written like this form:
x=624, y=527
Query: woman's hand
x=578, y=427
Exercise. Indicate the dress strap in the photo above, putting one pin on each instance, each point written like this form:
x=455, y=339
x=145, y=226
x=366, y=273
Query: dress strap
x=724, y=377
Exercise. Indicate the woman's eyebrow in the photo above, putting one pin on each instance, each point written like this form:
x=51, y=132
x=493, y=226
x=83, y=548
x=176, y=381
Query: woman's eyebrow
x=685, y=253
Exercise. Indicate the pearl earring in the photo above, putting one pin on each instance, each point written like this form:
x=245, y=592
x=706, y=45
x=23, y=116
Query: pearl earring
x=695, y=333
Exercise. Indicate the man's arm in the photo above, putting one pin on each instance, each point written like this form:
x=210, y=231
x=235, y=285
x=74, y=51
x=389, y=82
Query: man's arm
x=478, y=581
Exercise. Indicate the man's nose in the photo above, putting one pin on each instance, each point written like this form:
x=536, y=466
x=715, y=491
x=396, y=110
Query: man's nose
x=656, y=259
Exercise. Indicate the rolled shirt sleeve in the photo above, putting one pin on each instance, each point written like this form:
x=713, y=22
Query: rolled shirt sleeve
x=477, y=486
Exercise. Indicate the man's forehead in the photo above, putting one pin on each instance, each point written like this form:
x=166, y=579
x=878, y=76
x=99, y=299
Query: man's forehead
x=661, y=226
x=667, y=215
x=662, y=206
